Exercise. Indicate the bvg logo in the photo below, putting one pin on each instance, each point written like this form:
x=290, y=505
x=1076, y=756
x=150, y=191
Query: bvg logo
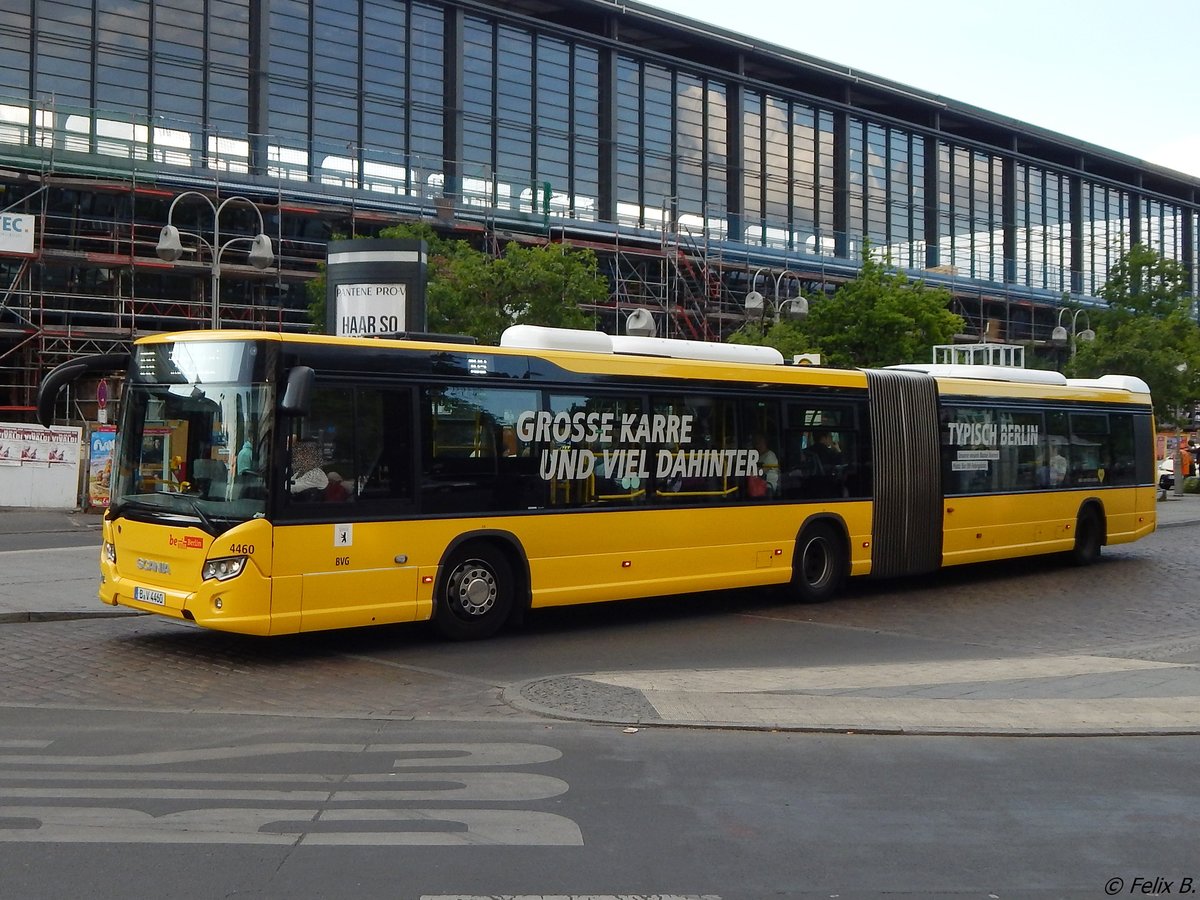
x=153, y=565
x=187, y=543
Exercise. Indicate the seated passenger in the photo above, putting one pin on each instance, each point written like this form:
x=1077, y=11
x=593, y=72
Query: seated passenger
x=335, y=491
x=826, y=451
x=308, y=478
x=766, y=483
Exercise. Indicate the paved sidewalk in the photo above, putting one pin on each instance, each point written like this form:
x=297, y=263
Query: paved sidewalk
x=58, y=579
x=997, y=694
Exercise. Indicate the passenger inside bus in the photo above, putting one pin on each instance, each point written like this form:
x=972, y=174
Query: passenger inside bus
x=764, y=485
x=308, y=478
x=827, y=453
x=335, y=490
x=1057, y=467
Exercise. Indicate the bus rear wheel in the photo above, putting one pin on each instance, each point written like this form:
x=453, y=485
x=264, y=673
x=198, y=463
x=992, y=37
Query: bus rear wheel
x=475, y=596
x=1089, y=536
x=819, y=564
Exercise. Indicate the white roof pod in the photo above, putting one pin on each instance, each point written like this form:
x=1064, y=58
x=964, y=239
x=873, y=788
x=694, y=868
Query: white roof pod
x=536, y=337
x=987, y=373
x=1130, y=383
x=676, y=349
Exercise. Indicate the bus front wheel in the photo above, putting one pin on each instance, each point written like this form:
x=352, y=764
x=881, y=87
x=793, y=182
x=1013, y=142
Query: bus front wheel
x=475, y=596
x=819, y=564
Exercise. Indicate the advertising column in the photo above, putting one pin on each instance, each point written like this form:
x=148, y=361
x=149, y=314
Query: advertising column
x=375, y=288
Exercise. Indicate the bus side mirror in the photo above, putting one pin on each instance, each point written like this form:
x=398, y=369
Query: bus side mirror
x=70, y=371
x=298, y=392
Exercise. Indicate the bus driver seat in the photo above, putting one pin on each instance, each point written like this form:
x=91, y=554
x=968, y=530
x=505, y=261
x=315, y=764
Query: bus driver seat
x=209, y=476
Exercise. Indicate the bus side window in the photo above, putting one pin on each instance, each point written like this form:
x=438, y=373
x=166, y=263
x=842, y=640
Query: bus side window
x=320, y=444
x=384, y=444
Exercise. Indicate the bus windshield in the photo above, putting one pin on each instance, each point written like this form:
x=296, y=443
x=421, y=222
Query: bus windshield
x=195, y=437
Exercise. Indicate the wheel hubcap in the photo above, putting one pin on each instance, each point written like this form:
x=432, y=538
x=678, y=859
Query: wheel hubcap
x=816, y=563
x=473, y=589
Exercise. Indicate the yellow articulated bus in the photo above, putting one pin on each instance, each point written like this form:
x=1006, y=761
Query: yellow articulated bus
x=273, y=484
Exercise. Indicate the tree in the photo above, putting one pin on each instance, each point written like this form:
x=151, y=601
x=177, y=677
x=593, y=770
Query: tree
x=786, y=336
x=477, y=295
x=469, y=292
x=880, y=318
x=1148, y=330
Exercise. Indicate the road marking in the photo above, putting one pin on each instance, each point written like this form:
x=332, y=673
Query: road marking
x=337, y=827
x=90, y=548
x=474, y=787
x=419, y=755
x=307, y=808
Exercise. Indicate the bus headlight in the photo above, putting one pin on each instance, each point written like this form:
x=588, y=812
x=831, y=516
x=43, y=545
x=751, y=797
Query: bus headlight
x=224, y=568
x=110, y=552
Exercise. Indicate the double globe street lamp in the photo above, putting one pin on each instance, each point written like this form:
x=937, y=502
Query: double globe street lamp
x=1060, y=336
x=170, y=247
x=796, y=307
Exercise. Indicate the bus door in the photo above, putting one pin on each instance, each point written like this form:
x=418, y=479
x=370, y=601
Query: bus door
x=344, y=551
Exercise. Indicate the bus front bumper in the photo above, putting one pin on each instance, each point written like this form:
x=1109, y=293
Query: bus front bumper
x=241, y=604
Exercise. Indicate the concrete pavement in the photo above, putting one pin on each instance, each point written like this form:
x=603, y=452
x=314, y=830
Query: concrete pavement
x=34, y=590
x=986, y=694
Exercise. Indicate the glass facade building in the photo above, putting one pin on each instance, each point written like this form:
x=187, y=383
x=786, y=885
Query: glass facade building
x=584, y=119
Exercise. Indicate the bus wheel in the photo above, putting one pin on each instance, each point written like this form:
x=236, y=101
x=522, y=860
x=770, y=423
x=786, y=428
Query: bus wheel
x=476, y=595
x=819, y=563
x=1089, y=535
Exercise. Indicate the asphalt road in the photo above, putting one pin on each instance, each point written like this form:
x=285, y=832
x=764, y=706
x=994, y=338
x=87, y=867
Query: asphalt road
x=195, y=805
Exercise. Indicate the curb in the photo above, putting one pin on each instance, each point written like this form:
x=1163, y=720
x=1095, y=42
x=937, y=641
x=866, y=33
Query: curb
x=513, y=696
x=26, y=617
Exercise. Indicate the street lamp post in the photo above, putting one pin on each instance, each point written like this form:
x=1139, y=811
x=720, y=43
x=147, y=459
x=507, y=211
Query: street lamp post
x=1180, y=472
x=756, y=302
x=798, y=305
x=170, y=247
x=1059, y=336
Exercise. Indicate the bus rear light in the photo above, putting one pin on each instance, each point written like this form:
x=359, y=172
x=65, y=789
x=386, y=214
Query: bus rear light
x=224, y=568
x=110, y=552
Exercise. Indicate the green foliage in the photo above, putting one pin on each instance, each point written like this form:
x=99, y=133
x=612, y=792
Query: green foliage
x=785, y=336
x=1148, y=330
x=1142, y=283
x=880, y=318
x=470, y=292
x=474, y=294
x=315, y=291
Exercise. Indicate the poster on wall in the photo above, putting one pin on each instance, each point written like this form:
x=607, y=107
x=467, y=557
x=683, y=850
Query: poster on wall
x=28, y=446
x=40, y=467
x=101, y=443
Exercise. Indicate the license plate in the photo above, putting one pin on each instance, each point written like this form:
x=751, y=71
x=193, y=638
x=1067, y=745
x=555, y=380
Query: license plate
x=145, y=595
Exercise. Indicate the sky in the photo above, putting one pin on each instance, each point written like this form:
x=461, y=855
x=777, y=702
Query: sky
x=1124, y=76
